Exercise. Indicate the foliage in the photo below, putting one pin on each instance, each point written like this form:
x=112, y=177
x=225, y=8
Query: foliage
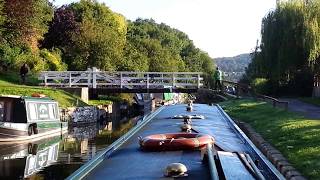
x=2, y=18
x=166, y=49
x=53, y=60
x=290, y=45
x=61, y=28
x=27, y=21
x=89, y=34
x=99, y=102
x=23, y=24
x=296, y=137
x=260, y=85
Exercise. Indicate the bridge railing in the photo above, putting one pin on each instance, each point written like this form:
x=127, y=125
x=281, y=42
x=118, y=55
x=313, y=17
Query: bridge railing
x=120, y=79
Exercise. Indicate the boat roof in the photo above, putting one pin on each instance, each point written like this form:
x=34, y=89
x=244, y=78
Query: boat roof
x=27, y=98
x=128, y=161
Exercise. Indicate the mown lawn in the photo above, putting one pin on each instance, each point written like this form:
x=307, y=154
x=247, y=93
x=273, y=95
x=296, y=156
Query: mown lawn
x=9, y=85
x=296, y=137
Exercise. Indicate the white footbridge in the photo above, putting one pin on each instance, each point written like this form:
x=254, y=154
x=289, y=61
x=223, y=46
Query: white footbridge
x=95, y=79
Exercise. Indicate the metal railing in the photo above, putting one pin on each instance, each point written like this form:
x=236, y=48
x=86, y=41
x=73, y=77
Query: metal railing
x=97, y=79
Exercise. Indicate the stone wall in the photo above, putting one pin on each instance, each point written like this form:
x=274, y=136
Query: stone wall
x=87, y=114
x=78, y=115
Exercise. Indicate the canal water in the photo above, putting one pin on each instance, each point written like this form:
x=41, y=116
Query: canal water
x=58, y=157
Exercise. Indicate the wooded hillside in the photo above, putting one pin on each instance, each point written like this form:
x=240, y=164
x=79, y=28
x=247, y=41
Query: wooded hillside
x=233, y=67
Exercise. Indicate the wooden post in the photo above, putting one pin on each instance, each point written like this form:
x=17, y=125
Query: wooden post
x=173, y=80
x=147, y=80
x=70, y=79
x=121, y=80
x=161, y=78
x=89, y=79
x=45, y=79
x=199, y=81
x=94, y=77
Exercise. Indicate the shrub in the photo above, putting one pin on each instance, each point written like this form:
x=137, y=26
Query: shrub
x=52, y=60
x=260, y=85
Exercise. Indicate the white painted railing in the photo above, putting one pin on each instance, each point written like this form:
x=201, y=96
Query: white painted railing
x=129, y=80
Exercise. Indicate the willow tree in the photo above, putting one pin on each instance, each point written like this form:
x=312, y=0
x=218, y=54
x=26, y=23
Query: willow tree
x=289, y=45
x=312, y=42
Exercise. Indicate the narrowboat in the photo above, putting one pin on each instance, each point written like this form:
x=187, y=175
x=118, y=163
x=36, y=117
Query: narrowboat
x=29, y=118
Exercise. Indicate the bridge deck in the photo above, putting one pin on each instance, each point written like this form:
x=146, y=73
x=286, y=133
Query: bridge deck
x=129, y=162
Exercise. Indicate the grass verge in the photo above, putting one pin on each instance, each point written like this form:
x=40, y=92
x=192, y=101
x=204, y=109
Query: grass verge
x=296, y=137
x=99, y=102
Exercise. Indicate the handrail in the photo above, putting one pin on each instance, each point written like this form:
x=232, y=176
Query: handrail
x=212, y=165
x=123, y=72
x=123, y=79
x=275, y=101
x=96, y=160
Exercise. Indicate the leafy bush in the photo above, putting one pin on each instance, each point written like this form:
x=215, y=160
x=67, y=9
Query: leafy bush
x=260, y=85
x=53, y=60
x=8, y=55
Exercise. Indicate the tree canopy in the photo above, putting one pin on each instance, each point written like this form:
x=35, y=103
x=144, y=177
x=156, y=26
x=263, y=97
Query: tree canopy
x=289, y=51
x=88, y=34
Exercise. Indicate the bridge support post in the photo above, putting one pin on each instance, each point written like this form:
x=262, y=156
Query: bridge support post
x=199, y=82
x=147, y=81
x=94, y=77
x=70, y=83
x=121, y=80
x=45, y=80
x=173, y=80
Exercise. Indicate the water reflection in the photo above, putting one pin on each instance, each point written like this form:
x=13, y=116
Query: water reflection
x=18, y=161
x=58, y=157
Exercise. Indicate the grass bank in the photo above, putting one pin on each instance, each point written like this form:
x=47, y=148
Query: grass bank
x=9, y=85
x=296, y=137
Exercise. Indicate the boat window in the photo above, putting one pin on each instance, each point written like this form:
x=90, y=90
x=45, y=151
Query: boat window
x=32, y=111
x=1, y=111
x=43, y=111
x=52, y=113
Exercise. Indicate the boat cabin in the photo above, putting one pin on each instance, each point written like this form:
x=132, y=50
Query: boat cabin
x=22, y=115
x=18, y=109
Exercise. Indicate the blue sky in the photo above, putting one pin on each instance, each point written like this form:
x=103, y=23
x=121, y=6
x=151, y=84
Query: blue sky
x=219, y=27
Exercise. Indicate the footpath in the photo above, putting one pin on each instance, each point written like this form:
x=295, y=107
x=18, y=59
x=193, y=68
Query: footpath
x=307, y=110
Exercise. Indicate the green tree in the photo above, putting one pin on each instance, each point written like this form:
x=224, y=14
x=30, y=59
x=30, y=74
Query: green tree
x=27, y=22
x=100, y=39
x=289, y=49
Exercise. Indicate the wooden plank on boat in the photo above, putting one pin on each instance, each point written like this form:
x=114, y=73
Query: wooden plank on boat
x=233, y=167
